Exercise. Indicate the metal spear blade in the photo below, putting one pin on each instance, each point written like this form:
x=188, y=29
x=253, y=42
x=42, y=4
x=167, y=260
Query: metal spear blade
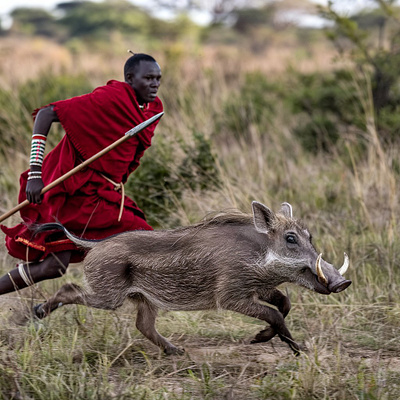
x=144, y=124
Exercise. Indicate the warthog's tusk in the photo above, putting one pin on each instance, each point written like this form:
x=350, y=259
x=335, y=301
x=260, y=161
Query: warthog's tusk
x=345, y=265
x=320, y=273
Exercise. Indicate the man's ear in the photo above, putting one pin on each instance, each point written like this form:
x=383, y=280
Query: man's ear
x=129, y=77
x=262, y=216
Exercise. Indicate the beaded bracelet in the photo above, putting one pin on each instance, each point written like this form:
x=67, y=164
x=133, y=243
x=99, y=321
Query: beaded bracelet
x=34, y=175
x=37, y=149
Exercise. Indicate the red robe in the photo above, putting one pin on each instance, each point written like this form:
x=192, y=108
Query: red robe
x=86, y=203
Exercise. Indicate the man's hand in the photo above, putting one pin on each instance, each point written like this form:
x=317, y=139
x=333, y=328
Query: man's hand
x=33, y=189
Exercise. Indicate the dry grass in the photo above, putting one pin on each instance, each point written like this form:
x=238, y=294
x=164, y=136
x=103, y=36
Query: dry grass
x=352, y=347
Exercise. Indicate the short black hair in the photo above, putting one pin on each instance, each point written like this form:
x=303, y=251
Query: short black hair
x=133, y=62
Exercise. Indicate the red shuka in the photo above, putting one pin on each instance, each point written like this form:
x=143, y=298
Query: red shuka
x=86, y=203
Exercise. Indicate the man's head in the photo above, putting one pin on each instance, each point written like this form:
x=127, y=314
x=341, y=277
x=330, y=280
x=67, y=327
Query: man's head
x=143, y=74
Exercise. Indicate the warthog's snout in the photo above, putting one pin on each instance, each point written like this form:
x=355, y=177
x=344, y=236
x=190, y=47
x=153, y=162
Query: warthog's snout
x=332, y=279
x=339, y=287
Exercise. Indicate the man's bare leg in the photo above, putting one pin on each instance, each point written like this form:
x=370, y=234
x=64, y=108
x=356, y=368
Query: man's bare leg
x=53, y=266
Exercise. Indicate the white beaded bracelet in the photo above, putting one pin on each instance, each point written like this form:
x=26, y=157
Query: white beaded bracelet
x=34, y=175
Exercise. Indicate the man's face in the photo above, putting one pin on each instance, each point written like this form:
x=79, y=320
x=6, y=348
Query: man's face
x=145, y=81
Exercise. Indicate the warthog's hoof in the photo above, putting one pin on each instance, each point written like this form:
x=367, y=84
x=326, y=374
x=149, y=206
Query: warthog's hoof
x=38, y=311
x=292, y=344
x=169, y=351
x=295, y=348
x=264, y=336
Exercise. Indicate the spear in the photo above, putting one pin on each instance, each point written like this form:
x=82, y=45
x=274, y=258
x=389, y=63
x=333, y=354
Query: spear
x=132, y=132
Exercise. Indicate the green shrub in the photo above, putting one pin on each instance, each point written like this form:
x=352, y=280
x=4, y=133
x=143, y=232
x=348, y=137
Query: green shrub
x=318, y=134
x=325, y=103
x=255, y=102
x=198, y=168
x=160, y=181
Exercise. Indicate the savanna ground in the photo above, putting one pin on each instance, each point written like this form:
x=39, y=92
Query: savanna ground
x=348, y=197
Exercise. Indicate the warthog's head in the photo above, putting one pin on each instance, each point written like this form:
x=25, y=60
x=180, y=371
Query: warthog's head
x=291, y=256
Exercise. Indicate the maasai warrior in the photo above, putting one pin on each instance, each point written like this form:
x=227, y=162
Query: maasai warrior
x=91, y=203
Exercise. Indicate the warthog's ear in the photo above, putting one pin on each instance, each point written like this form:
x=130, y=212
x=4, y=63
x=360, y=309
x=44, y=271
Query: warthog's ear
x=263, y=217
x=287, y=210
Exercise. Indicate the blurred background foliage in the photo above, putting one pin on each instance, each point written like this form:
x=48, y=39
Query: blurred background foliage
x=236, y=62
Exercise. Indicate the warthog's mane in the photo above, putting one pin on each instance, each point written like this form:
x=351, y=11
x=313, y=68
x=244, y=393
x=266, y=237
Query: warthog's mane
x=239, y=218
x=227, y=217
x=218, y=218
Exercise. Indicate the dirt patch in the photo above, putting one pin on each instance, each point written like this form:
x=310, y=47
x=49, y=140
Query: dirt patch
x=275, y=352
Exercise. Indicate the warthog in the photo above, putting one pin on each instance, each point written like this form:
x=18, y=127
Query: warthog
x=232, y=261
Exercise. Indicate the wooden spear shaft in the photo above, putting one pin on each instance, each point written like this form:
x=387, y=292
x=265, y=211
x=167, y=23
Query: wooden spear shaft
x=132, y=132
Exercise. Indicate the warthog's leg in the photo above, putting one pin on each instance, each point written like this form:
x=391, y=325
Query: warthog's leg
x=282, y=302
x=74, y=294
x=271, y=316
x=145, y=322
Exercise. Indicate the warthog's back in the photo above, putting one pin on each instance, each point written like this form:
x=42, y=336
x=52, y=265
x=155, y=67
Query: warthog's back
x=187, y=268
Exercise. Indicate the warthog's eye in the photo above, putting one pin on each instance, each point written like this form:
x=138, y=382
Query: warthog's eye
x=291, y=239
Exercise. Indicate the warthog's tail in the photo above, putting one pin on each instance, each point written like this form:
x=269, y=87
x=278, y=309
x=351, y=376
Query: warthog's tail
x=51, y=226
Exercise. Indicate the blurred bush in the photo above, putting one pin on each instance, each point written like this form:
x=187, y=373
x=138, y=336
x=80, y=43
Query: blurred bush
x=370, y=41
x=254, y=102
x=167, y=170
